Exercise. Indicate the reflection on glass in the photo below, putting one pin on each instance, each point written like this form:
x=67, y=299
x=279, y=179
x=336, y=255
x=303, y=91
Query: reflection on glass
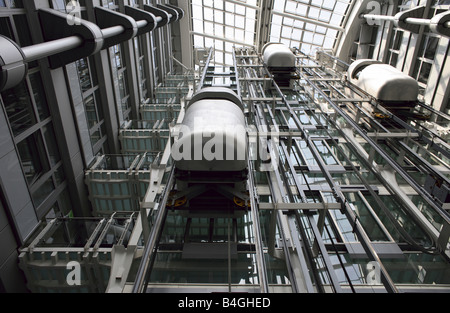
x=5, y=26
x=91, y=111
x=16, y=4
x=432, y=45
x=84, y=74
x=23, y=30
x=424, y=72
x=31, y=162
x=366, y=218
x=19, y=108
x=39, y=95
x=43, y=192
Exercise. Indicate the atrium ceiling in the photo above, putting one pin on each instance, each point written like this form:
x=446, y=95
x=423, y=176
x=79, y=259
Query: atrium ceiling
x=304, y=24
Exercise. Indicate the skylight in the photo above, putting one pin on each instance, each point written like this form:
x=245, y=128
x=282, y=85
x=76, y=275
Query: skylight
x=304, y=24
x=223, y=24
x=307, y=25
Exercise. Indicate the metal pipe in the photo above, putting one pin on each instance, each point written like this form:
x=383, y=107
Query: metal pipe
x=205, y=70
x=141, y=23
x=379, y=17
x=45, y=49
x=417, y=21
x=409, y=20
x=36, y=52
x=237, y=76
x=260, y=260
x=112, y=31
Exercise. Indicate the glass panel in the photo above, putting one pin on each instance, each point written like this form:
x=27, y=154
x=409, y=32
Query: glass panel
x=59, y=5
x=43, y=192
x=91, y=111
x=52, y=146
x=432, y=45
x=84, y=74
x=398, y=40
x=39, y=95
x=59, y=175
x=327, y=156
x=19, y=108
x=5, y=27
x=117, y=56
x=394, y=59
x=16, y=4
x=21, y=23
x=203, y=271
x=366, y=218
x=70, y=233
x=424, y=72
x=31, y=162
x=98, y=106
x=123, y=87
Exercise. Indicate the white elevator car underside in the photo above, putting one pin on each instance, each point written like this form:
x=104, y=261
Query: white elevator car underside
x=213, y=133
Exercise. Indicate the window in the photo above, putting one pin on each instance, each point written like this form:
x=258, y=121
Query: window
x=84, y=74
x=43, y=192
x=39, y=95
x=142, y=65
x=29, y=117
x=311, y=33
x=30, y=152
x=19, y=108
x=91, y=100
x=425, y=58
x=395, y=47
x=52, y=146
x=222, y=24
x=11, y=4
x=447, y=107
x=120, y=81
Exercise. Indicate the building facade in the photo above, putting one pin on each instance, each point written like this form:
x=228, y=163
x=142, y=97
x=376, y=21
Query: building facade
x=57, y=120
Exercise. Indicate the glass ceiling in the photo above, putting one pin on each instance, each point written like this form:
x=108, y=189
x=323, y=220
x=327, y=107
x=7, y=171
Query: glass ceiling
x=305, y=24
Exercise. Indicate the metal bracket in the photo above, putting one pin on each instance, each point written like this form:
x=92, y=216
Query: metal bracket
x=108, y=18
x=437, y=23
x=158, y=13
x=180, y=11
x=169, y=10
x=54, y=26
x=138, y=15
x=400, y=19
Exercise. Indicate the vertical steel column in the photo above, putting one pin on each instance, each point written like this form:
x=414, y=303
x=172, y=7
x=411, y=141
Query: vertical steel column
x=205, y=70
x=260, y=260
x=151, y=246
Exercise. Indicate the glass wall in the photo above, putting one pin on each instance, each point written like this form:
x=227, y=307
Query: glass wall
x=122, y=92
x=92, y=103
x=29, y=117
